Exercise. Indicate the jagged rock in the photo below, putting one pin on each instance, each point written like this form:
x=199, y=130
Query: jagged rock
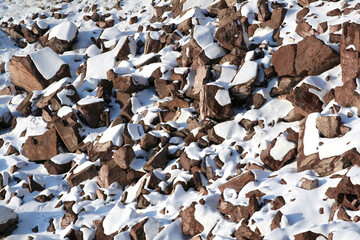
x=124, y=156
x=190, y=226
x=279, y=152
x=67, y=128
x=159, y=160
x=329, y=126
x=313, y=57
x=215, y=103
x=127, y=83
x=8, y=221
x=109, y=173
x=238, y=182
x=264, y=13
x=149, y=141
x=277, y=17
x=276, y=221
x=301, y=14
x=42, y=147
x=309, y=234
x=284, y=60
x=309, y=184
x=61, y=37
x=304, y=101
x=305, y=3
x=40, y=28
x=244, y=232
x=91, y=110
x=59, y=164
x=44, y=198
x=225, y=35
x=304, y=29
x=214, y=8
x=152, y=45
x=78, y=177
x=37, y=70
x=33, y=185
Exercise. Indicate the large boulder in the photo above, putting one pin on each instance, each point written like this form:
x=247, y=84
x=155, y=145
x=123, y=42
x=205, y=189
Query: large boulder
x=37, y=70
x=8, y=221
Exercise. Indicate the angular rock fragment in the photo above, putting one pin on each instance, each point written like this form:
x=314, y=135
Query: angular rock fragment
x=67, y=128
x=109, y=173
x=91, y=110
x=8, y=221
x=309, y=184
x=78, y=176
x=238, y=182
x=159, y=160
x=42, y=147
x=59, y=164
x=127, y=83
x=37, y=70
x=232, y=35
x=329, y=126
x=124, y=156
x=190, y=226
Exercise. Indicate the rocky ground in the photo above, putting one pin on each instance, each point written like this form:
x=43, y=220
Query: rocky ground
x=182, y=119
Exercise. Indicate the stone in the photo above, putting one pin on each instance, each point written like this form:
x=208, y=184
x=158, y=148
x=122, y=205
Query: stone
x=258, y=100
x=305, y=3
x=190, y=226
x=29, y=35
x=125, y=49
x=159, y=160
x=322, y=28
x=284, y=60
x=126, y=83
x=280, y=145
x=301, y=14
x=133, y=20
x=76, y=178
x=42, y=147
x=33, y=185
x=236, y=212
x=214, y=8
x=91, y=111
x=67, y=128
x=149, y=141
x=225, y=35
x=8, y=222
x=304, y=29
x=152, y=45
x=329, y=126
x=277, y=18
x=54, y=168
x=264, y=13
x=202, y=77
x=39, y=28
x=68, y=218
x=137, y=231
x=276, y=221
x=25, y=74
x=44, y=198
x=238, y=182
x=55, y=41
x=309, y=234
x=333, y=13
x=244, y=232
x=124, y=156
x=304, y=101
x=309, y=184
x=210, y=106
x=314, y=57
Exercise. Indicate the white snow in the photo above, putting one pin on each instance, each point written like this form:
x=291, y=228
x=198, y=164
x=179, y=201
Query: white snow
x=89, y=100
x=281, y=148
x=113, y=134
x=47, y=62
x=64, y=31
x=6, y=214
x=62, y=158
x=247, y=72
x=223, y=97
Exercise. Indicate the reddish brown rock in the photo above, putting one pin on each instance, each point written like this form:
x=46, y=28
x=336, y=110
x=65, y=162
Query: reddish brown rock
x=126, y=83
x=60, y=45
x=288, y=152
x=333, y=13
x=33, y=185
x=225, y=35
x=210, y=107
x=110, y=173
x=329, y=126
x=305, y=3
x=276, y=221
x=91, y=111
x=322, y=28
x=264, y=13
x=39, y=28
x=152, y=45
x=54, y=168
x=313, y=57
x=190, y=226
x=76, y=178
x=308, y=235
x=137, y=231
x=304, y=101
x=124, y=156
x=42, y=147
x=301, y=14
x=9, y=221
x=277, y=18
x=309, y=184
x=68, y=130
x=159, y=160
x=24, y=74
x=244, y=232
x=238, y=182
x=284, y=60
x=68, y=218
x=236, y=213
x=304, y=29
x=44, y=198
x=149, y=141
x=214, y=8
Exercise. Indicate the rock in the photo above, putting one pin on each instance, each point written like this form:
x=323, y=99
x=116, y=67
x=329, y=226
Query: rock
x=202, y=77
x=276, y=221
x=242, y=84
x=190, y=226
x=349, y=56
x=309, y=234
x=137, y=231
x=278, y=153
x=149, y=141
x=329, y=126
x=42, y=147
x=313, y=57
x=124, y=156
x=54, y=167
x=8, y=221
x=127, y=46
x=133, y=20
x=214, y=8
x=305, y=3
x=333, y=13
x=40, y=27
x=91, y=110
x=68, y=218
x=244, y=232
x=225, y=35
x=109, y=173
x=258, y=100
x=309, y=184
x=78, y=177
x=277, y=17
x=278, y=203
x=127, y=83
x=67, y=128
x=44, y=198
x=264, y=13
x=29, y=35
x=37, y=70
x=99, y=150
x=5, y=116
x=152, y=45
x=61, y=37
x=301, y=14
x=215, y=103
x=33, y=185
x=159, y=160
x=304, y=101
x=236, y=213
x=238, y=182
x=304, y=29
x=322, y=28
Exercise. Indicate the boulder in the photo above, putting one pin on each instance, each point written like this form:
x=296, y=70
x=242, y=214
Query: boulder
x=215, y=103
x=309, y=184
x=78, y=177
x=127, y=83
x=159, y=160
x=264, y=13
x=91, y=109
x=238, y=182
x=137, y=231
x=149, y=141
x=59, y=164
x=279, y=152
x=329, y=126
x=67, y=128
x=37, y=70
x=232, y=35
x=190, y=226
x=124, y=156
x=42, y=147
x=8, y=221
x=109, y=173
x=152, y=45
